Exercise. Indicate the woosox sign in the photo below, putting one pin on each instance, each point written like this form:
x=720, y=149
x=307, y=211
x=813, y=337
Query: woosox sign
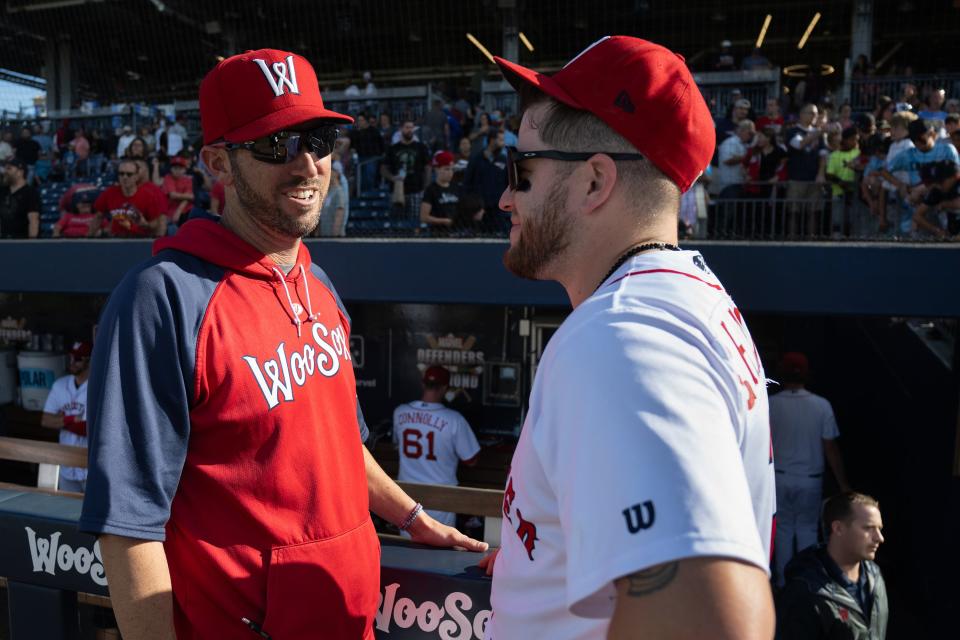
x=424, y=594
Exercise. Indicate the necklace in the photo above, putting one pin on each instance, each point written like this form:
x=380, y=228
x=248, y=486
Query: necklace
x=634, y=250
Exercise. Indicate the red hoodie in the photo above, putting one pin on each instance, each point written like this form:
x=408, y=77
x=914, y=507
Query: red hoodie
x=239, y=423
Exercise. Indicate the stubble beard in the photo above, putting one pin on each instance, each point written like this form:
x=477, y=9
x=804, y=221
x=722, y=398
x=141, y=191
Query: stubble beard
x=269, y=214
x=544, y=236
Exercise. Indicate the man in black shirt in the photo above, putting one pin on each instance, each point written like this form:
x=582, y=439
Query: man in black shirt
x=439, y=206
x=368, y=143
x=19, y=203
x=28, y=150
x=408, y=161
x=944, y=194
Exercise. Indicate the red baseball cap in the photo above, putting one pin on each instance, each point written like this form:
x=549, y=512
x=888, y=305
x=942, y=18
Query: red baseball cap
x=81, y=349
x=641, y=90
x=794, y=362
x=258, y=92
x=437, y=375
x=442, y=159
x=177, y=161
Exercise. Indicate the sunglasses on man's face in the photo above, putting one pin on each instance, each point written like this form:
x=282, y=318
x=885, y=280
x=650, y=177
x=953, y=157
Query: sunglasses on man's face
x=515, y=157
x=285, y=146
x=126, y=174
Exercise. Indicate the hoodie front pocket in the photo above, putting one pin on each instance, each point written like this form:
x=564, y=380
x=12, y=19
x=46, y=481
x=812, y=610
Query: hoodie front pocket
x=326, y=588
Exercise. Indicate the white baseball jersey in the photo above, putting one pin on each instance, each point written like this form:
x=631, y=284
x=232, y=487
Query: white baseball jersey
x=647, y=441
x=432, y=440
x=799, y=422
x=66, y=397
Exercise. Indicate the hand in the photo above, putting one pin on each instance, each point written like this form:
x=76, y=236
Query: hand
x=488, y=561
x=426, y=530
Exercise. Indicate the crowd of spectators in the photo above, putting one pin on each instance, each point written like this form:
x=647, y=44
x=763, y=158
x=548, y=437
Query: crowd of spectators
x=816, y=170
x=443, y=173
x=781, y=170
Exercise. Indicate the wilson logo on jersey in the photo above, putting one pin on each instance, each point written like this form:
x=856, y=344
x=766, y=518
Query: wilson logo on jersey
x=286, y=75
x=640, y=516
x=278, y=377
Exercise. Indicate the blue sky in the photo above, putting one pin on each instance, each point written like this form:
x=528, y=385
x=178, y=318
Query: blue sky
x=13, y=96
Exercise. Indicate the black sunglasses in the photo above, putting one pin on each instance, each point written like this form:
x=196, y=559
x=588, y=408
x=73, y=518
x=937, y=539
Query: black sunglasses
x=284, y=146
x=126, y=173
x=515, y=157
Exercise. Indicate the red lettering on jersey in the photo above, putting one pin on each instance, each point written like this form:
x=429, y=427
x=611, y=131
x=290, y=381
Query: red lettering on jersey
x=527, y=531
x=752, y=395
x=508, y=497
x=742, y=350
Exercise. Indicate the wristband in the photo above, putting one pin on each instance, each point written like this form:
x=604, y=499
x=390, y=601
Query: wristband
x=71, y=424
x=408, y=522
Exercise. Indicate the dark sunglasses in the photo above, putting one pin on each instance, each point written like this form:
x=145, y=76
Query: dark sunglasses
x=515, y=157
x=126, y=174
x=284, y=146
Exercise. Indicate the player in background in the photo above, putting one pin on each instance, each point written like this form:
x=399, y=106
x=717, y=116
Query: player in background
x=66, y=410
x=433, y=439
x=640, y=499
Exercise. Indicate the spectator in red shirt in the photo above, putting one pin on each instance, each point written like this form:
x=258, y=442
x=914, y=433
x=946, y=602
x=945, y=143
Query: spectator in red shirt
x=79, y=221
x=772, y=117
x=178, y=188
x=131, y=209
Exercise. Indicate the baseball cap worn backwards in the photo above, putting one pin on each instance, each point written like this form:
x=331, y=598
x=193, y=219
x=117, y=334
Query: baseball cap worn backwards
x=641, y=90
x=256, y=93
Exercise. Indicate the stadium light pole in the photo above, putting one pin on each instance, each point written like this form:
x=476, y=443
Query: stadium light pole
x=806, y=34
x=763, y=31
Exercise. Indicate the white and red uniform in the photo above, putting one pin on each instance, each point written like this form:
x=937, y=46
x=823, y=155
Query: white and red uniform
x=432, y=439
x=647, y=441
x=71, y=400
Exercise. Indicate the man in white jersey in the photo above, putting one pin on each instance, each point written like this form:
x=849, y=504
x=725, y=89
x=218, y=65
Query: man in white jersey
x=66, y=410
x=433, y=439
x=804, y=432
x=640, y=499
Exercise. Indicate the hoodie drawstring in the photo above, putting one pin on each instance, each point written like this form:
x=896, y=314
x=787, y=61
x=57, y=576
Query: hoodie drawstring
x=293, y=310
x=311, y=316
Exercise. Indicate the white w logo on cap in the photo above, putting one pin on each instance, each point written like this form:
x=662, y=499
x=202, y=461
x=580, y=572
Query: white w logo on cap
x=282, y=69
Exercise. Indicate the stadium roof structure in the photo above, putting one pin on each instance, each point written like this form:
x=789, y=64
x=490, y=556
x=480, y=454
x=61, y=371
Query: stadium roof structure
x=158, y=50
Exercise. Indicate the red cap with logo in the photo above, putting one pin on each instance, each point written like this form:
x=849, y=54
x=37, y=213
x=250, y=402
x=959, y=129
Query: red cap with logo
x=642, y=91
x=795, y=363
x=259, y=92
x=437, y=375
x=81, y=349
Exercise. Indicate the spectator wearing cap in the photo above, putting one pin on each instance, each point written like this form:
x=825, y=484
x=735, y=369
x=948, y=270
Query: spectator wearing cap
x=433, y=439
x=65, y=409
x=925, y=150
x=841, y=173
x=804, y=432
x=738, y=113
x=79, y=221
x=408, y=164
x=19, y=203
x=336, y=204
x=725, y=60
x=806, y=171
x=439, y=206
x=366, y=140
x=942, y=196
x=177, y=186
x=486, y=175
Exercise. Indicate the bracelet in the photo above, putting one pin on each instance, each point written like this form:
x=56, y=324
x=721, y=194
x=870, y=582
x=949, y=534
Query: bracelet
x=414, y=513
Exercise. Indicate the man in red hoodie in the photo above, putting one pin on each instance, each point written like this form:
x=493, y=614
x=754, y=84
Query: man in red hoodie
x=228, y=481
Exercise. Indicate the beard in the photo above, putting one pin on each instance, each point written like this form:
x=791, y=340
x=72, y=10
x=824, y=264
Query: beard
x=543, y=237
x=269, y=214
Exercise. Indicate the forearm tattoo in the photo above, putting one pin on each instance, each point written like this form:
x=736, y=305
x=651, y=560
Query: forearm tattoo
x=643, y=583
